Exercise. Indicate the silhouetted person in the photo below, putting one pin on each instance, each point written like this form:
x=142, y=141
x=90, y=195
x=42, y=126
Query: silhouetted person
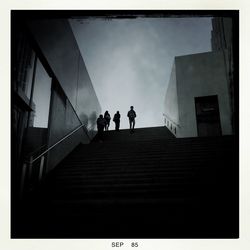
x=131, y=116
x=116, y=119
x=101, y=122
x=107, y=119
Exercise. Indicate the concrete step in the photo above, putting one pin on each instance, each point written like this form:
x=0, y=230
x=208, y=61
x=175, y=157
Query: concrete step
x=148, y=179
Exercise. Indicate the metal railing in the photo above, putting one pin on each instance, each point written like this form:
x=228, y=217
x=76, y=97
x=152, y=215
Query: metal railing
x=176, y=124
x=28, y=164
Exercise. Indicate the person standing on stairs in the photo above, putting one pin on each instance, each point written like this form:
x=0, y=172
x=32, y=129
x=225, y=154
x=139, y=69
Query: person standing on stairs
x=131, y=116
x=101, y=123
x=116, y=119
x=107, y=118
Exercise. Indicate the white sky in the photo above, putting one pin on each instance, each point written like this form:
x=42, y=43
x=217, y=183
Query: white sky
x=129, y=60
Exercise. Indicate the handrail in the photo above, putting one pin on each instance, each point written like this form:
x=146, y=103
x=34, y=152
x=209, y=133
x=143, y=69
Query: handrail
x=176, y=124
x=55, y=144
x=27, y=169
x=35, y=151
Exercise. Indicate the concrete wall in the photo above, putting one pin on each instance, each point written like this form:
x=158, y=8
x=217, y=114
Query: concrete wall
x=171, y=101
x=221, y=35
x=171, y=111
x=223, y=38
x=201, y=75
x=57, y=43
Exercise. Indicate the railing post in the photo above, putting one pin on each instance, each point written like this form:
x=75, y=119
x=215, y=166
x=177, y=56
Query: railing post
x=23, y=174
x=41, y=169
x=30, y=166
x=30, y=173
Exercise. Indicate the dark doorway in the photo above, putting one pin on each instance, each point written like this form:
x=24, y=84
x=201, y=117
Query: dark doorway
x=208, y=116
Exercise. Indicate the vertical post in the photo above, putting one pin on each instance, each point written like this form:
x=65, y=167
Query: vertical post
x=30, y=167
x=41, y=169
x=30, y=173
x=32, y=89
x=23, y=180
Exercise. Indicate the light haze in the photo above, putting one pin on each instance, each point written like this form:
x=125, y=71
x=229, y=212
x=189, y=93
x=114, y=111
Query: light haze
x=129, y=60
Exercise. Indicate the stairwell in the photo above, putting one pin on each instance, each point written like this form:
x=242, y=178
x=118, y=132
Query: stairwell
x=142, y=185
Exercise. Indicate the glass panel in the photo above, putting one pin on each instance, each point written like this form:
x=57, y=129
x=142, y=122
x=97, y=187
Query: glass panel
x=29, y=74
x=24, y=65
x=41, y=98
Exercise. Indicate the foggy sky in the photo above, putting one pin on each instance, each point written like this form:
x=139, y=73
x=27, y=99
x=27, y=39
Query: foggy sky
x=129, y=61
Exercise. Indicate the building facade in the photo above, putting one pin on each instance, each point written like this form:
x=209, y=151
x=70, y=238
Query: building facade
x=222, y=39
x=53, y=99
x=201, y=98
x=197, y=101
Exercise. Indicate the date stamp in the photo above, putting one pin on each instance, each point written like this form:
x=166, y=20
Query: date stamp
x=123, y=244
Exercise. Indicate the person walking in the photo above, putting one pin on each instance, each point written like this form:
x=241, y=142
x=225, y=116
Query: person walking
x=116, y=119
x=107, y=119
x=131, y=116
x=101, y=123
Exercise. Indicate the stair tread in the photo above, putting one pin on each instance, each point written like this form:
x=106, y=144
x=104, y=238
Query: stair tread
x=148, y=171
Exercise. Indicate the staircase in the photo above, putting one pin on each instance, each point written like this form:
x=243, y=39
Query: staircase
x=142, y=185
